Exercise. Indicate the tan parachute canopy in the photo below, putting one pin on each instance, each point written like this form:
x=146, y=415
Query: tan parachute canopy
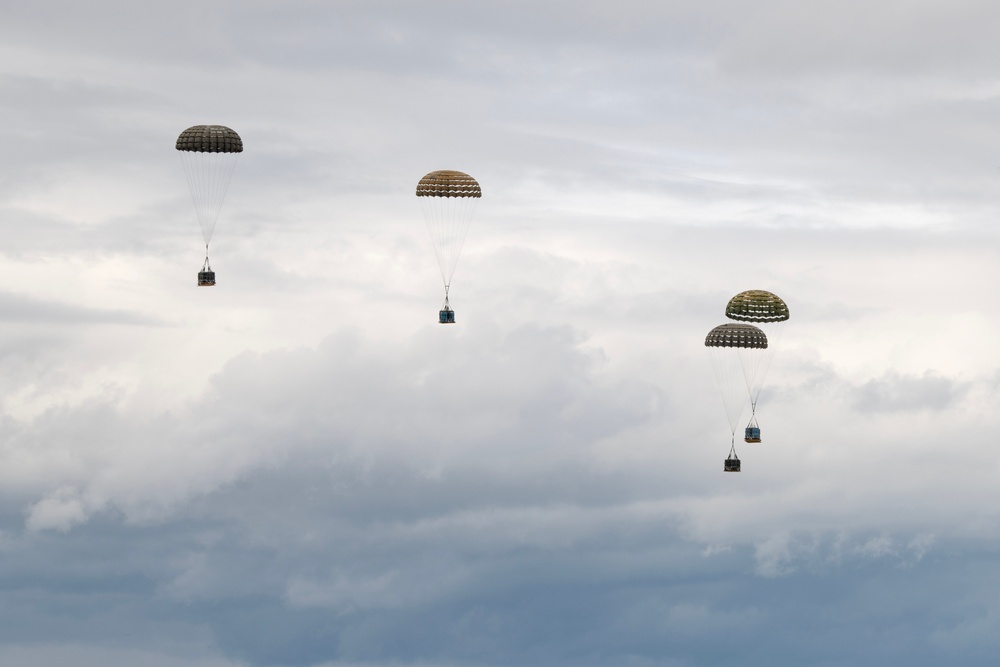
x=209, y=139
x=757, y=305
x=448, y=183
x=737, y=335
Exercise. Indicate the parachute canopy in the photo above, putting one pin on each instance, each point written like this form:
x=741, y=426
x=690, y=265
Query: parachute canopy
x=757, y=305
x=736, y=335
x=209, y=139
x=448, y=183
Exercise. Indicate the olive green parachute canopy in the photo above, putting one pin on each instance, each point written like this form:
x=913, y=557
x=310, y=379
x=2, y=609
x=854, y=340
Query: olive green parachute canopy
x=448, y=183
x=209, y=139
x=744, y=336
x=757, y=305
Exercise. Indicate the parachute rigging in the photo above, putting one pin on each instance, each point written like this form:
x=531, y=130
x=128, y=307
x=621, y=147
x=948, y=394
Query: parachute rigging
x=448, y=199
x=208, y=155
x=734, y=350
x=770, y=313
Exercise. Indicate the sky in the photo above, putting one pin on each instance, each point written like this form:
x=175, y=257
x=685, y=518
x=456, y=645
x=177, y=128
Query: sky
x=300, y=468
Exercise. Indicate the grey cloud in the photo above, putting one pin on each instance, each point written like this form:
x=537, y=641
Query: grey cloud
x=340, y=513
x=333, y=514
x=539, y=484
x=500, y=395
x=626, y=593
x=27, y=310
x=82, y=655
x=895, y=392
x=890, y=38
x=46, y=143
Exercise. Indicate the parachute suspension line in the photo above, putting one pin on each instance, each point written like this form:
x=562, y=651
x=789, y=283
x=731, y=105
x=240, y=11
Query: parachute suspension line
x=206, y=266
x=448, y=199
x=208, y=176
x=728, y=370
x=448, y=220
x=757, y=363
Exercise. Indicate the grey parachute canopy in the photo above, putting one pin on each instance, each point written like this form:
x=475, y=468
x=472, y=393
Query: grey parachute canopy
x=209, y=139
x=737, y=335
x=757, y=305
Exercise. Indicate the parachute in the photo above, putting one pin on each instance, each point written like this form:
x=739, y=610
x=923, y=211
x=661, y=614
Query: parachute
x=735, y=350
x=208, y=155
x=448, y=199
x=769, y=313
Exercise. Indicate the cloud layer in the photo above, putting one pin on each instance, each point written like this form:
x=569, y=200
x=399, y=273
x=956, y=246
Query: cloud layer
x=299, y=467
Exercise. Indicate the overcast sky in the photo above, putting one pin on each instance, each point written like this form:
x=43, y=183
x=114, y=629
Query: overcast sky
x=300, y=468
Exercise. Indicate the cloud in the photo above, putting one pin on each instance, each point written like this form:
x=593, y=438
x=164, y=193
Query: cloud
x=24, y=309
x=895, y=392
x=299, y=467
x=528, y=391
x=91, y=656
x=60, y=510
